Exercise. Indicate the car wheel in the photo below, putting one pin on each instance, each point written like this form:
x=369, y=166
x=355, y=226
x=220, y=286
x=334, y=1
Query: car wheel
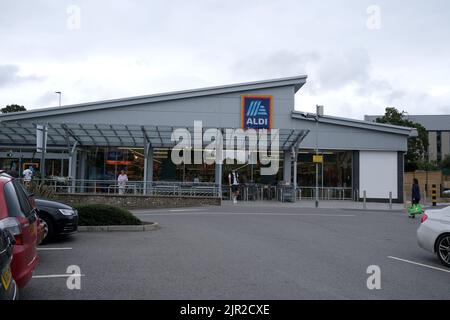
x=443, y=249
x=48, y=226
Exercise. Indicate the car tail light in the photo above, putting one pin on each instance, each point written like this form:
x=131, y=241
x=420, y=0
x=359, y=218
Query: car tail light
x=13, y=226
x=424, y=218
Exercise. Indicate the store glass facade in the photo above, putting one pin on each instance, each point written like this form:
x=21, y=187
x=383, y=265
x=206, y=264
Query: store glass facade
x=17, y=160
x=105, y=163
x=335, y=172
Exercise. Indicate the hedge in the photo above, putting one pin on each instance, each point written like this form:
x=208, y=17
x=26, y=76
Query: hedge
x=105, y=215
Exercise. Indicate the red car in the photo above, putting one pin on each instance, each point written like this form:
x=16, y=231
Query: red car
x=18, y=215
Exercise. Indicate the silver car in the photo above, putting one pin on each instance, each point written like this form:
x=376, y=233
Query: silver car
x=433, y=234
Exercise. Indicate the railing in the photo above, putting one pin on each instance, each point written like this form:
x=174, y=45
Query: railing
x=111, y=187
x=326, y=193
x=283, y=193
x=248, y=192
x=251, y=192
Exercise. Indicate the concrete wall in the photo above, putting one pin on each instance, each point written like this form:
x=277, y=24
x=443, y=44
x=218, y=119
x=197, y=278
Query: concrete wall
x=137, y=202
x=432, y=145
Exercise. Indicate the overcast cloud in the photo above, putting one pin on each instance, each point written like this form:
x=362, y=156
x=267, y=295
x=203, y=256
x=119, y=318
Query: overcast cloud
x=135, y=47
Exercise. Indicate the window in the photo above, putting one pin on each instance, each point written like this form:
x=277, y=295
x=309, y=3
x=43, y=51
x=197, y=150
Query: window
x=439, y=145
x=335, y=172
x=12, y=201
x=22, y=195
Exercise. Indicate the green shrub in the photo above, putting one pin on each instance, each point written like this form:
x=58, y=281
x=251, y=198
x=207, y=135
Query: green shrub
x=105, y=215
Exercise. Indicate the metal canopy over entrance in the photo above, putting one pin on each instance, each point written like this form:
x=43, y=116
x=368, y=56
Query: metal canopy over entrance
x=77, y=138
x=117, y=135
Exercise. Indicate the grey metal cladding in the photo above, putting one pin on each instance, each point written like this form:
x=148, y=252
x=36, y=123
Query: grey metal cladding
x=295, y=82
x=221, y=110
x=340, y=137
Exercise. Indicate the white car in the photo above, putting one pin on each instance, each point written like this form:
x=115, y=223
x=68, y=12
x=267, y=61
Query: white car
x=434, y=233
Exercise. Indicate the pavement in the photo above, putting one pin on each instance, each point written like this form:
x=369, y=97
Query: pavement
x=328, y=204
x=247, y=251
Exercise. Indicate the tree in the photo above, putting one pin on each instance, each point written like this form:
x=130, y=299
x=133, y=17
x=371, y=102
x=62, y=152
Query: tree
x=445, y=165
x=417, y=146
x=427, y=165
x=13, y=108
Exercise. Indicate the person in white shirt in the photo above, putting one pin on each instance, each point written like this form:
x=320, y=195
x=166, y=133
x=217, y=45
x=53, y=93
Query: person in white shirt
x=233, y=179
x=122, y=181
x=27, y=174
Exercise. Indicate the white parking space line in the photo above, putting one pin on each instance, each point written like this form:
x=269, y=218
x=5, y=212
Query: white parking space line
x=247, y=213
x=53, y=249
x=58, y=276
x=186, y=210
x=419, y=264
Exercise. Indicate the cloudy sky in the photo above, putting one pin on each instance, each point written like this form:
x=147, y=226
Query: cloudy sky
x=360, y=56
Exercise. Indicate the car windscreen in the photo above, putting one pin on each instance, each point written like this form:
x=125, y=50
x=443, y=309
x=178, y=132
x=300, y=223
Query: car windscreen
x=12, y=201
x=23, y=197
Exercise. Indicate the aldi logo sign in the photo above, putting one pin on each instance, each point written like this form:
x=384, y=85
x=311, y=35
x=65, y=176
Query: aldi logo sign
x=256, y=112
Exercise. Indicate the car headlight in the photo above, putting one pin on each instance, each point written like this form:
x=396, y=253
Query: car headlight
x=67, y=212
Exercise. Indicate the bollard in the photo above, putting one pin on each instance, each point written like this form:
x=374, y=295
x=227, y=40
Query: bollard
x=433, y=195
x=364, y=200
x=390, y=200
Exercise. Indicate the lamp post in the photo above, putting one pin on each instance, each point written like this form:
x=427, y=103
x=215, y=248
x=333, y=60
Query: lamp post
x=317, y=164
x=319, y=113
x=59, y=94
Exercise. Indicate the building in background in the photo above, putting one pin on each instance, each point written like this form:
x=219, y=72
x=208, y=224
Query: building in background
x=438, y=128
x=94, y=141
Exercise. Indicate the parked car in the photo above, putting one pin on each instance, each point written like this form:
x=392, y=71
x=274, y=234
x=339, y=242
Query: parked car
x=434, y=233
x=18, y=216
x=59, y=219
x=41, y=230
x=8, y=287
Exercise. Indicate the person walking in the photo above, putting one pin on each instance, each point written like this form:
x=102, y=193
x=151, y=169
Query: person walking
x=233, y=180
x=122, y=181
x=27, y=175
x=415, y=208
x=415, y=192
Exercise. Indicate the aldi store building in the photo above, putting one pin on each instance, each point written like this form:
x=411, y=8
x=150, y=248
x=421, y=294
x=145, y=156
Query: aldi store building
x=94, y=141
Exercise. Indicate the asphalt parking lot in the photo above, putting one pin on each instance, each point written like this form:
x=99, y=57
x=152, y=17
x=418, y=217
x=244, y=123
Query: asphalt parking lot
x=246, y=252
